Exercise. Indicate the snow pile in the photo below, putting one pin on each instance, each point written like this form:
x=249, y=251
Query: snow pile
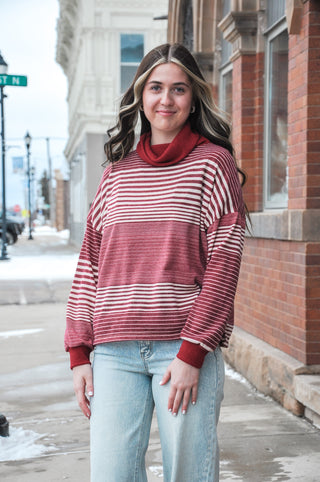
x=21, y=444
x=44, y=267
x=233, y=375
x=10, y=333
x=25, y=264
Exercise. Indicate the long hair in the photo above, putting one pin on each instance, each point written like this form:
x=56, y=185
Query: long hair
x=206, y=118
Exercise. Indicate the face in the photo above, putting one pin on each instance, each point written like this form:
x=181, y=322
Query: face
x=167, y=101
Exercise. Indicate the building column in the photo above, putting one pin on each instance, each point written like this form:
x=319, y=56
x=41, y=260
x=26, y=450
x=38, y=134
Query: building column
x=240, y=28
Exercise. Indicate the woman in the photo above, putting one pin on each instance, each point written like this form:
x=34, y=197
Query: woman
x=154, y=289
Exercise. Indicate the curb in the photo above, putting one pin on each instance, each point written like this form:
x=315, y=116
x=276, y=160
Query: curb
x=291, y=383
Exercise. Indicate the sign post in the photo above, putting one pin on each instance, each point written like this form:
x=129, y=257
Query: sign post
x=17, y=81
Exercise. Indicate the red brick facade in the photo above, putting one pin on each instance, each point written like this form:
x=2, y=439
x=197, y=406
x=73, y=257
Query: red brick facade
x=279, y=289
x=247, y=131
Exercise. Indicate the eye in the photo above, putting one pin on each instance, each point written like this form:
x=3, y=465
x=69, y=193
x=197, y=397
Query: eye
x=180, y=90
x=155, y=88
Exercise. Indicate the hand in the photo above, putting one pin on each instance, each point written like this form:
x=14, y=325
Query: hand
x=83, y=383
x=183, y=386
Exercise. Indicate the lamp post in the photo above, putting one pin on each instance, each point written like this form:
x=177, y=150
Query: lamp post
x=4, y=256
x=27, y=140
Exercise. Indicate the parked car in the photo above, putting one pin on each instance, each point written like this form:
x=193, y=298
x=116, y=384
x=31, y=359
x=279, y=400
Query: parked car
x=14, y=228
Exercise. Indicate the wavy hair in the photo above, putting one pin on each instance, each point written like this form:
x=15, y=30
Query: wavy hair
x=206, y=119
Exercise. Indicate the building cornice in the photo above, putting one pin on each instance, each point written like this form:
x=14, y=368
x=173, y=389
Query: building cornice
x=66, y=26
x=240, y=29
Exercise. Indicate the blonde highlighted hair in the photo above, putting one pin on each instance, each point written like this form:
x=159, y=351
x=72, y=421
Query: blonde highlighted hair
x=206, y=119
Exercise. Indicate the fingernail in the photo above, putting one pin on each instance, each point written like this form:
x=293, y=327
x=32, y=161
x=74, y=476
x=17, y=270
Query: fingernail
x=90, y=394
x=184, y=412
x=193, y=403
x=170, y=409
x=161, y=383
x=174, y=414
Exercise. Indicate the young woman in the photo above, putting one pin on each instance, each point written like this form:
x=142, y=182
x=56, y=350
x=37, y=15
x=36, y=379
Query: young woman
x=154, y=289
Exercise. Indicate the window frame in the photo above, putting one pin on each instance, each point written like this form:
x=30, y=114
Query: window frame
x=224, y=71
x=270, y=35
x=129, y=64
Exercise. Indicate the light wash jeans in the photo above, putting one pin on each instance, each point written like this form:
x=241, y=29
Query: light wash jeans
x=126, y=389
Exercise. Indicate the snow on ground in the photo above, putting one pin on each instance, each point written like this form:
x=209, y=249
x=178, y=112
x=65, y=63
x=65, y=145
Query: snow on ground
x=10, y=333
x=48, y=230
x=38, y=266
x=22, y=444
x=49, y=267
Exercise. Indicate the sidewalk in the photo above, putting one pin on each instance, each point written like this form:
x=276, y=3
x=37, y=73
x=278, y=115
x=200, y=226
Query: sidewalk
x=49, y=442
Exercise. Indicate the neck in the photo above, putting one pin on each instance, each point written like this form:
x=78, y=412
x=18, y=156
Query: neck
x=162, y=137
x=173, y=151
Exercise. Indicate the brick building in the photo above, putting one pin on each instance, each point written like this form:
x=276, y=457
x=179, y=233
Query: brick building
x=263, y=60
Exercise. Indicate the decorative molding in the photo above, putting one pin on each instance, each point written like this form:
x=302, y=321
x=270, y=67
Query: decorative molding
x=240, y=28
x=294, y=11
x=66, y=26
x=129, y=4
x=205, y=60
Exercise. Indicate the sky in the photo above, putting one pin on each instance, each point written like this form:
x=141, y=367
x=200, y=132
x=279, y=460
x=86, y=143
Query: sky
x=28, y=45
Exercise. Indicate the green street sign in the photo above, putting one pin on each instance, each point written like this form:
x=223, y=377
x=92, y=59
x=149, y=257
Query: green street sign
x=14, y=80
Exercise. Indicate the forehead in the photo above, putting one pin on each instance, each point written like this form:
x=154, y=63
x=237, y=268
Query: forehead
x=168, y=72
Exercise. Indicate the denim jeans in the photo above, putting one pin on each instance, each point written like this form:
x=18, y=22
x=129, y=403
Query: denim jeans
x=126, y=390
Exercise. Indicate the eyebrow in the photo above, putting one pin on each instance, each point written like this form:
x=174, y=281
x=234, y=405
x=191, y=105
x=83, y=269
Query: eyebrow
x=175, y=83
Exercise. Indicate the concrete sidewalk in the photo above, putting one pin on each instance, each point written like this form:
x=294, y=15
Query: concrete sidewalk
x=259, y=440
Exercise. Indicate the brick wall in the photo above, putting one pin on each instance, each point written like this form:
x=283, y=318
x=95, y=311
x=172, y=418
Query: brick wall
x=278, y=297
x=313, y=303
x=247, y=133
x=304, y=112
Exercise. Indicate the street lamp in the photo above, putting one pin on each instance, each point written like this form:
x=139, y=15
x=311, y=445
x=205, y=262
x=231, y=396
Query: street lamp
x=3, y=70
x=27, y=140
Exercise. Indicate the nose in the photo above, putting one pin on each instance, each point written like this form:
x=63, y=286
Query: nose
x=166, y=98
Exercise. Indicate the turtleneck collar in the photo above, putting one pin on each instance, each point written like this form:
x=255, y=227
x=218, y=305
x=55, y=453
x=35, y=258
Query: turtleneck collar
x=162, y=155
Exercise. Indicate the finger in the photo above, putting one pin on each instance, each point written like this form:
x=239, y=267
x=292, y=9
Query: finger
x=89, y=386
x=83, y=402
x=185, y=401
x=166, y=377
x=85, y=407
x=177, y=402
x=194, y=395
x=171, y=398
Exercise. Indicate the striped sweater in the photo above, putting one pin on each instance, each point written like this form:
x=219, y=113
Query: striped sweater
x=161, y=254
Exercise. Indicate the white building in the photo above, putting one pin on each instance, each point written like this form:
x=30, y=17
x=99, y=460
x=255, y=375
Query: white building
x=99, y=45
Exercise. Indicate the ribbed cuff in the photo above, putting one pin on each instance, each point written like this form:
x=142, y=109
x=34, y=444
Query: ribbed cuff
x=79, y=355
x=192, y=353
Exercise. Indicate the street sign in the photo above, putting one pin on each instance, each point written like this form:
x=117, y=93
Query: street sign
x=14, y=80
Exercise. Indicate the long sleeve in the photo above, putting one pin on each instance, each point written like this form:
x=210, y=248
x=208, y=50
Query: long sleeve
x=82, y=298
x=210, y=320
x=160, y=257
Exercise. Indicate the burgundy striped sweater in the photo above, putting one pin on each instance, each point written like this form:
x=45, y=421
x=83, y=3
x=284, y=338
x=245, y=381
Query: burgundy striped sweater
x=161, y=256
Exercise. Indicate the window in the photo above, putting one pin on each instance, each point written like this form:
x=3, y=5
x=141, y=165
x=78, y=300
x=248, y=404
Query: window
x=132, y=51
x=225, y=90
x=276, y=124
x=187, y=10
x=225, y=97
x=275, y=12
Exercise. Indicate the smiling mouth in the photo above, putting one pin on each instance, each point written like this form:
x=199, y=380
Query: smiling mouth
x=165, y=112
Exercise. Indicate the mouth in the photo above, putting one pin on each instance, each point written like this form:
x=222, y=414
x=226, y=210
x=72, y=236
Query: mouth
x=165, y=112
